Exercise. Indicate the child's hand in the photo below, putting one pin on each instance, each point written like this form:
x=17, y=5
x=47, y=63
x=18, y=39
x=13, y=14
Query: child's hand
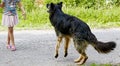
x=24, y=15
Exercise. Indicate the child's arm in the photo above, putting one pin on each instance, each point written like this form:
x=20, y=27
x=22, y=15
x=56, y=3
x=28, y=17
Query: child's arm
x=22, y=9
x=2, y=4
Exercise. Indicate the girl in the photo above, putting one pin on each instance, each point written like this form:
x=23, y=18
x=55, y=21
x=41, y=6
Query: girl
x=10, y=19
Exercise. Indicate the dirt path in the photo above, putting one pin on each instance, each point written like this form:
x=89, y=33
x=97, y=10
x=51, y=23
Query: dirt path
x=36, y=48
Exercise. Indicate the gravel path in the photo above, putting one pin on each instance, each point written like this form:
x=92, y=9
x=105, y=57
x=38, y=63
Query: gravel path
x=37, y=47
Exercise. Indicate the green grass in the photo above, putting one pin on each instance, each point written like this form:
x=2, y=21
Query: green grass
x=38, y=18
x=100, y=64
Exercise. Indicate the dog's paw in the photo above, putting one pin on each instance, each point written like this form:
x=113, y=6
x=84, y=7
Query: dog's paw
x=65, y=54
x=56, y=56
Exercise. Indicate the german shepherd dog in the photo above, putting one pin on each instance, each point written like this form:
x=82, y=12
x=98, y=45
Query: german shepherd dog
x=67, y=26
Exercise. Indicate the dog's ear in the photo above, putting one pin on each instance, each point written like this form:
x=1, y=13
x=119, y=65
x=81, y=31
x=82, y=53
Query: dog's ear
x=60, y=3
x=52, y=5
x=47, y=5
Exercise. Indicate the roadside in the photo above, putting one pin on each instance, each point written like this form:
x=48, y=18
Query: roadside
x=36, y=48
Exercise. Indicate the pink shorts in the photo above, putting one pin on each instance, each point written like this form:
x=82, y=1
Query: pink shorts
x=9, y=21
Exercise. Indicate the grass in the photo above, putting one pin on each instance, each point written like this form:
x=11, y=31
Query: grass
x=100, y=64
x=93, y=64
x=37, y=18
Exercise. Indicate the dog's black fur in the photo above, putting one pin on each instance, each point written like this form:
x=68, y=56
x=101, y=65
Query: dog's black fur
x=67, y=25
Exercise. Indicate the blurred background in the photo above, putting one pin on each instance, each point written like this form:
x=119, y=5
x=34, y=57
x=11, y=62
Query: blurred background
x=96, y=13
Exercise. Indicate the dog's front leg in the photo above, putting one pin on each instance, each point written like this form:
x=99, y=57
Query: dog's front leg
x=59, y=39
x=67, y=40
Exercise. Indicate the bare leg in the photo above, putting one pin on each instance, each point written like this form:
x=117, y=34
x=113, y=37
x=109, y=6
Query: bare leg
x=8, y=41
x=58, y=46
x=67, y=40
x=11, y=35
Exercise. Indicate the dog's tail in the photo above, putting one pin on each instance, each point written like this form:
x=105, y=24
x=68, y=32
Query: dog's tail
x=101, y=47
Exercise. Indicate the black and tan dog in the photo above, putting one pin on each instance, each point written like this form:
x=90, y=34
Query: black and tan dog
x=67, y=27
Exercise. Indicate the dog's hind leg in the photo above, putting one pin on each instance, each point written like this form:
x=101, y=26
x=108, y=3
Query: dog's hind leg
x=78, y=59
x=59, y=39
x=82, y=59
x=80, y=47
x=67, y=40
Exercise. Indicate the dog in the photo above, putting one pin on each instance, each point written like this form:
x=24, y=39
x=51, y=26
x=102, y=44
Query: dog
x=67, y=26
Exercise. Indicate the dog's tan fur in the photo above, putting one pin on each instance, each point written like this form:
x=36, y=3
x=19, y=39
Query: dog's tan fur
x=67, y=26
x=59, y=40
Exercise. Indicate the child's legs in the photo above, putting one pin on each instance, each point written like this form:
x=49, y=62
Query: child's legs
x=8, y=38
x=11, y=35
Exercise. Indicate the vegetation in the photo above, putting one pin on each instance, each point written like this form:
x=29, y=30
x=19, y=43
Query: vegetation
x=96, y=13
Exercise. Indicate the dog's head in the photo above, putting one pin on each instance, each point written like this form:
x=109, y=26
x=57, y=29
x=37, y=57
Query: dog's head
x=53, y=7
